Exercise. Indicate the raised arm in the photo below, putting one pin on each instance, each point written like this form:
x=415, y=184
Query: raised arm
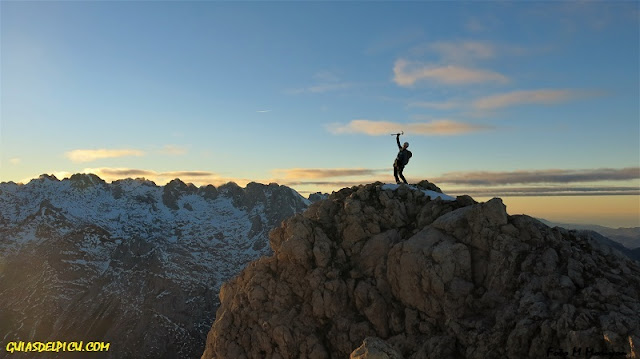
x=398, y=141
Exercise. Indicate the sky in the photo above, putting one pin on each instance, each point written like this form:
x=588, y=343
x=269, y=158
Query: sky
x=533, y=102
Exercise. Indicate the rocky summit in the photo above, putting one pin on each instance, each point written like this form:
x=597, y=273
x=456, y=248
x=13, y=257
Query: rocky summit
x=385, y=271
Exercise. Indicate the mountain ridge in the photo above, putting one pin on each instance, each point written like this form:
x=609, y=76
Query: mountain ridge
x=626, y=236
x=129, y=262
x=115, y=260
x=428, y=278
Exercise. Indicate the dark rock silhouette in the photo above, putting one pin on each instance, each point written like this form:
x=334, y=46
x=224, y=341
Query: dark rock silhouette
x=426, y=278
x=318, y=196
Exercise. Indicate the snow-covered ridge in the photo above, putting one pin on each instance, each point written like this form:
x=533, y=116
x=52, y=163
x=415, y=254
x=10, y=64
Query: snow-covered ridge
x=429, y=193
x=149, y=259
x=87, y=198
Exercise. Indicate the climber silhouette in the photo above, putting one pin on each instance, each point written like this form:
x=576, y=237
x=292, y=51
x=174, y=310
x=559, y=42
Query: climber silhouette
x=401, y=159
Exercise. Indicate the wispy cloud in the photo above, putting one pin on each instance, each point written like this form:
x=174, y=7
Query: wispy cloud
x=549, y=182
x=15, y=160
x=481, y=178
x=289, y=177
x=488, y=104
x=332, y=185
x=263, y=111
x=306, y=180
x=92, y=155
x=129, y=172
x=548, y=191
x=190, y=174
x=469, y=51
x=407, y=73
x=196, y=177
x=434, y=128
x=119, y=172
x=542, y=96
x=173, y=150
x=313, y=173
x=486, y=192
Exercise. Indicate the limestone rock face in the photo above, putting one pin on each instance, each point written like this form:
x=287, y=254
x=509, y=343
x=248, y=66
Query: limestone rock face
x=429, y=278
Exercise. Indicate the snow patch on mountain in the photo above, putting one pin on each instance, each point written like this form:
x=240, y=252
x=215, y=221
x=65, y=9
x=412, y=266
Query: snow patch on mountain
x=129, y=262
x=429, y=193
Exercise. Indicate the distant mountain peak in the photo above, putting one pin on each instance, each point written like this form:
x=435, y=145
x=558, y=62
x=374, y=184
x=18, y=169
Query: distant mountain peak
x=86, y=180
x=45, y=176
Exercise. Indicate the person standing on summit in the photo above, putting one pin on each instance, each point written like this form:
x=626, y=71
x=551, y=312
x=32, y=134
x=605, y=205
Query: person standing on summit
x=401, y=159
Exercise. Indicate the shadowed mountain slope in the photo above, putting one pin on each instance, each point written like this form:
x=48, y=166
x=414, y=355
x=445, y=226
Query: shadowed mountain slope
x=127, y=262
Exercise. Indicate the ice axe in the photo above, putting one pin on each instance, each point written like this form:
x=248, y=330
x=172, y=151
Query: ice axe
x=397, y=134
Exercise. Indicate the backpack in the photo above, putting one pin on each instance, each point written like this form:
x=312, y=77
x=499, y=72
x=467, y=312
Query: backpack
x=407, y=157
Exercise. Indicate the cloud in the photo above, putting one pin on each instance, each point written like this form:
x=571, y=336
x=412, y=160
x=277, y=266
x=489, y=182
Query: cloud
x=434, y=128
x=92, y=155
x=313, y=173
x=119, y=172
x=289, y=177
x=330, y=184
x=173, y=150
x=190, y=174
x=196, y=177
x=543, y=96
x=328, y=179
x=481, y=178
x=407, y=73
x=263, y=111
x=548, y=191
x=550, y=182
x=15, y=161
x=464, y=52
x=482, y=106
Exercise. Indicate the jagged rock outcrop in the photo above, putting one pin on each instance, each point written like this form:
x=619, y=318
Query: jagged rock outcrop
x=432, y=278
x=175, y=189
x=82, y=180
x=318, y=196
